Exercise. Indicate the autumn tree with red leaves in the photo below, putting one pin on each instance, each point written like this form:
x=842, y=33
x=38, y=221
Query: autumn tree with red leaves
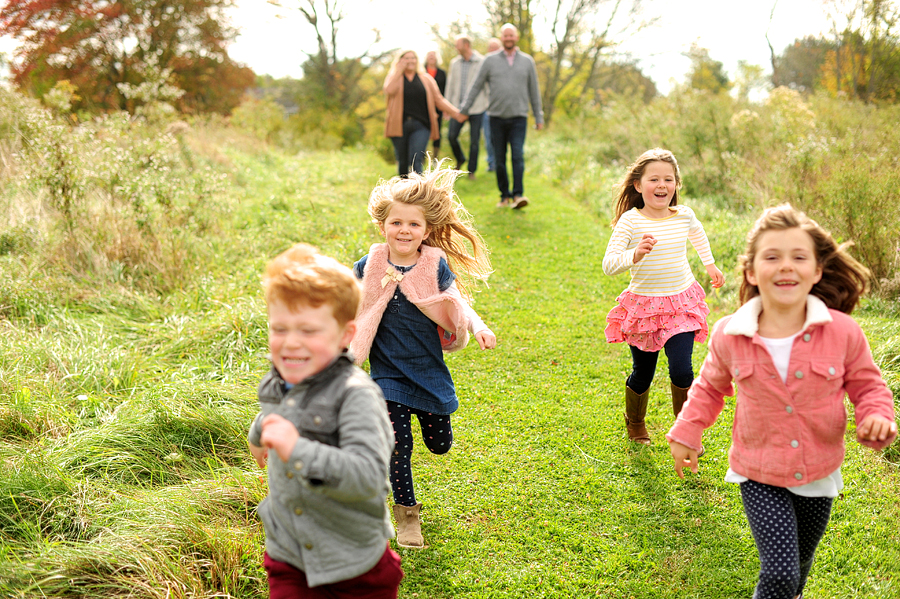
x=98, y=44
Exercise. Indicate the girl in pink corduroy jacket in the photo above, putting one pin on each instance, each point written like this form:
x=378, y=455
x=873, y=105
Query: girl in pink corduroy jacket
x=794, y=352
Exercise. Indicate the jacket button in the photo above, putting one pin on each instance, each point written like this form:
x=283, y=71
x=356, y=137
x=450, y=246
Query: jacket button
x=298, y=511
x=795, y=444
x=298, y=465
x=789, y=410
x=798, y=475
x=308, y=545
x=291, y=403
x=289, y=474
x=831, y=370
x=799, y=374
x=806, y=337
x=317, y=420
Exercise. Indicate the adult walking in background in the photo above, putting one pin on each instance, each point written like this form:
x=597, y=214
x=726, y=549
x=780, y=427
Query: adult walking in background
x=513, y=82
x=433, y=68
x=412, y=99
x=463, y=69
x=493, y=45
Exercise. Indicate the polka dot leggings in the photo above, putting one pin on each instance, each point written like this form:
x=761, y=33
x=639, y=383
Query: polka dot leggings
x=438, y=438
x=787, y=529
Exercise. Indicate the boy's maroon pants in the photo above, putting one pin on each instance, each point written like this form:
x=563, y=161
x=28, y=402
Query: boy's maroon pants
x=381, y=582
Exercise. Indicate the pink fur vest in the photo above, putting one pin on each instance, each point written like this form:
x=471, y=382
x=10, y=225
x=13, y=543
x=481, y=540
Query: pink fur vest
x=448, y=309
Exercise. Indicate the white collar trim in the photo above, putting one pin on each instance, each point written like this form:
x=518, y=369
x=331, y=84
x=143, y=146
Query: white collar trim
x=746, y=320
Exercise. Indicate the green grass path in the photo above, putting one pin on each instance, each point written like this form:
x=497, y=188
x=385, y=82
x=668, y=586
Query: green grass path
x=123, y=461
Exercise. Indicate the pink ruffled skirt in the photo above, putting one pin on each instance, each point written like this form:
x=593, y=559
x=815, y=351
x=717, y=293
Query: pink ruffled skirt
x=648, y=322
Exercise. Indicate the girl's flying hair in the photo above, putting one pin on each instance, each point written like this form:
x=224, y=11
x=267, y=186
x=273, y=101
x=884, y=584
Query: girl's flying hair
x=629, y=197
x=448, y=221
x=843, y=280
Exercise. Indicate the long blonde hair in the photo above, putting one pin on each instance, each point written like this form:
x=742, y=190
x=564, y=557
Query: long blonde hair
x=843, y=280
x=629, y=197
x=420, y=68
x=450, y=223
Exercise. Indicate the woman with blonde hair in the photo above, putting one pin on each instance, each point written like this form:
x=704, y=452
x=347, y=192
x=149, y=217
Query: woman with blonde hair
x=413, y=99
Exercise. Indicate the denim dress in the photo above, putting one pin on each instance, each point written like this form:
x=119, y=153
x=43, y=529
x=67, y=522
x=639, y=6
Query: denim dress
x=406, y=359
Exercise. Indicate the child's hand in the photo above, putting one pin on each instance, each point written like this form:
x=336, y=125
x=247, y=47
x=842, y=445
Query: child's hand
x=876, y=429
x=683, y=456
x=486, y=339
x=259, y=454
x=643, y=247
x=279, y=434
x=716, y=276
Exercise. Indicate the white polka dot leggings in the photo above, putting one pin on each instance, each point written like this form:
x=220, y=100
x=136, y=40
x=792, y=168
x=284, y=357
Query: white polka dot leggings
x=438, y=438
x=787, y=529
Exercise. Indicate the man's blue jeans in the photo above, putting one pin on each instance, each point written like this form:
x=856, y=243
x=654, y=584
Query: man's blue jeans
x=512, y=132
x=410, y=149
x=453, y=131
x=488, y=148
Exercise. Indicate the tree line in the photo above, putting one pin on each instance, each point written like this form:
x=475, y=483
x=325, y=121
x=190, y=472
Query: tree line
x=98, y=51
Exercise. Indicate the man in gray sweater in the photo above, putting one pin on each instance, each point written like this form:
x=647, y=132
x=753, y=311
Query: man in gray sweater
x=513, y=82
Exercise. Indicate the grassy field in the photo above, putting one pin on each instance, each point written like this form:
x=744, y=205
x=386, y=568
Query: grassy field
x=123, y=414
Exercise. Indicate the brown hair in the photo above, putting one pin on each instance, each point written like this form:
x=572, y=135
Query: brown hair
x=843, y=281
x=449, y=222
x=628, y=196
x=301, y=276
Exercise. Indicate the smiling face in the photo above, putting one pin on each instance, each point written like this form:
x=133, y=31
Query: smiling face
x=404, y=231
x=410, y=62
x=303, y=341
x=509, y=37
x=657, y=188
x=784, y=268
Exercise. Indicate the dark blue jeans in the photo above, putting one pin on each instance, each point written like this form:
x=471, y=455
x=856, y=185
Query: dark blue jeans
x=509, y=132
x=679, y=350
x=488, y=147
x=453, y=130
x=410, y=149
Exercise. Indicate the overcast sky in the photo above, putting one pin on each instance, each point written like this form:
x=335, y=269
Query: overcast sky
x=273, y=39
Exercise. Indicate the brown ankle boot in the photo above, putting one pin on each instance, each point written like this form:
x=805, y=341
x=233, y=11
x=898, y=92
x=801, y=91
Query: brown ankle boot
x=679, y=396
x=409, y=526
x=635, y=410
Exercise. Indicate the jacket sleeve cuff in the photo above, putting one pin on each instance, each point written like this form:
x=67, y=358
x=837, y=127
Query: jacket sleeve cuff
x=686, y=433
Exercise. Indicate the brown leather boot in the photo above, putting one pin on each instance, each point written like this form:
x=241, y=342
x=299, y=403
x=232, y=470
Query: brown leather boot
x=635, y=410
x=409, y=526
x=679, y=396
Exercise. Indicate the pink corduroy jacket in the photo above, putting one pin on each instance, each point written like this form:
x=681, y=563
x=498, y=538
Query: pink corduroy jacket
x=448, y=309
x=786, y=434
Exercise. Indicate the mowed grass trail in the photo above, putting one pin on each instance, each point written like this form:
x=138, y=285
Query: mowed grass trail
x=123, y=462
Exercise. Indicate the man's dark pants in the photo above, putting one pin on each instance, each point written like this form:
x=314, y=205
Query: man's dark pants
x=512, y=132
x=454, y=128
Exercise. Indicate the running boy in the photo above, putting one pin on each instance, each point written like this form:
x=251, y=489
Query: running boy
x=326, y=518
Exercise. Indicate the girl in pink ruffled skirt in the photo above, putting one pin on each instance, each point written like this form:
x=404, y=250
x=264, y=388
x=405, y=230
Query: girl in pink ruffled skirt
x=663, y=307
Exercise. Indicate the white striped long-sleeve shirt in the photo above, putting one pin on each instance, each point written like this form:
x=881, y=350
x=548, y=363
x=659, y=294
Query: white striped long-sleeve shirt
x=665, y=270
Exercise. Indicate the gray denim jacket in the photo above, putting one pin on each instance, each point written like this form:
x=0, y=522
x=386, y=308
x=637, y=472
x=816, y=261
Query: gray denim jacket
x=326, y=512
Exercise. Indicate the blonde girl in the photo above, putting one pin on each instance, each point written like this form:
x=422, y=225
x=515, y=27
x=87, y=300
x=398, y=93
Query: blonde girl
x=795, y=352
x=663, y=307
x=415, y=306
